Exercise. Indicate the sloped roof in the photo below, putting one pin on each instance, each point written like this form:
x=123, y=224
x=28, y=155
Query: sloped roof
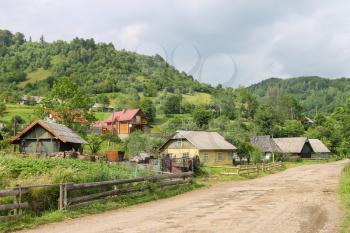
x=265, y=143
x=204, y=140
x=61, y=132
x=125, y=115
x=318, y=146
x=291, y=145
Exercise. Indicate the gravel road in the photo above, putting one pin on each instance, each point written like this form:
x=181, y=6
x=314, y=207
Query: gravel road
x=301, y=200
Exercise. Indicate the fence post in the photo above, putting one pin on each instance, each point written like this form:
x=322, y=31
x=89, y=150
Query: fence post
x=257, y=169
x=262, y=167
x=60, y=200
x=65, y=198
x=238, y=169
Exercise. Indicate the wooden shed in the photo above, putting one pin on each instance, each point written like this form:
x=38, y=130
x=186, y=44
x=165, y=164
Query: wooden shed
x=47, y=138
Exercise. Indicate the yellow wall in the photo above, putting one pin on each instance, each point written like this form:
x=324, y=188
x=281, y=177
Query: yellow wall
x=213, y=157
x=178, y=153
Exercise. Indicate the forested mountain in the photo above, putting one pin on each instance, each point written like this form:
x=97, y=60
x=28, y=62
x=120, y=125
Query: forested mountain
x=33, y=67
x=315, y=94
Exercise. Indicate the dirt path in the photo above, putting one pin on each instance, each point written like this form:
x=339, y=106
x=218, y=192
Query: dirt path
x=301, y=199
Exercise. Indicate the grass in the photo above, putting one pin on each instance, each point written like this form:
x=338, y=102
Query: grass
x=100, y=116
x=31, y=221
x=26, y=112
x=198, y=98
x=344, y=191
x=37, y=75
x=307, y=162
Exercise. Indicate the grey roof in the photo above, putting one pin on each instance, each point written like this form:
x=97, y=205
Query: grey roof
x=318, y=146
x=204, y=140
x=291, y=145
x=64, y=133
x=265, y=143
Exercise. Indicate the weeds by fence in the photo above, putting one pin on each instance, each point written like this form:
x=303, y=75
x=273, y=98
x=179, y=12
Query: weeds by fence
x=248, y=169
x=77, y=195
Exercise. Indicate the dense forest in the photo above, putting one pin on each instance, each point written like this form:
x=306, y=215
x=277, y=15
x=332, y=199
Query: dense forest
x=33, y=67
x=72, y=76
x=315, y=94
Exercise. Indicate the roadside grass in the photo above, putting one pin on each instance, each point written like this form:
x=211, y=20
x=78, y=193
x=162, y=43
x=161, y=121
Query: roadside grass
x=344, y=191
x=307, y=162
x=26, y=112
x=212, y=175
x=31, y=221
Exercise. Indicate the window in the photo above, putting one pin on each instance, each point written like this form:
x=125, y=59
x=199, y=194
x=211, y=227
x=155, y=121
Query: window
x=230, y=155
x=219, y=156
x=178, y=144
x=206, y=156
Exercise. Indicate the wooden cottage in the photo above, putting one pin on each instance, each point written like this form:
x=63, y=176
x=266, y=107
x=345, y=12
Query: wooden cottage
x=211, y=147
x=47, y=138
x=124, y=122
x=266, y=145
x=295, y=146
x=319, y=149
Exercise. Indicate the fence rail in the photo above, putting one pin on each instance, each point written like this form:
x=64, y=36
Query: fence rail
x=103, y=190
x=248, y=169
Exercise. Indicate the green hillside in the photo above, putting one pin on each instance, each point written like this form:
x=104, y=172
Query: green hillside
x=316, y=94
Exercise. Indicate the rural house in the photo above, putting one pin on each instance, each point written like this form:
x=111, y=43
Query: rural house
x=47, y=138
x=295, y=146
x=319, y=149
x=266, y=145
x=301, y=147
x=211, y=147
x=124, y=122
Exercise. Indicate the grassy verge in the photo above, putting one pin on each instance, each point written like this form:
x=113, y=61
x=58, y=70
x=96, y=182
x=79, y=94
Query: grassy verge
x=307, y=162
x=344, y=191
x=213, y=175
x=31, y=221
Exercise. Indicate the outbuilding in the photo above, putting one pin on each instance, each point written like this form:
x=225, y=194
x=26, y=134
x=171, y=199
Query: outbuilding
x=47, y=138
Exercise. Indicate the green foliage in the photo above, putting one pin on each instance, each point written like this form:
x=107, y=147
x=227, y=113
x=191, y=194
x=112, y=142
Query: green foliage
x=148, y=109
x=172, y=104
x=201, y=117
x=2, y=109
x=138, y=143
x=70, y=102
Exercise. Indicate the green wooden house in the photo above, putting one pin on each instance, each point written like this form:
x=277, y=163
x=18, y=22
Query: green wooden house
x=47, y=138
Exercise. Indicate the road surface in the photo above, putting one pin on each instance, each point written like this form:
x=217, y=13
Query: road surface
x=301, y=200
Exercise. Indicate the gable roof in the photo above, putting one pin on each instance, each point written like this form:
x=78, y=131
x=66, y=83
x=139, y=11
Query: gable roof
x=61, y=132
x=291, y=145
x=124, y=115
x=265, y=143
x=204, y=140
x=318, y=146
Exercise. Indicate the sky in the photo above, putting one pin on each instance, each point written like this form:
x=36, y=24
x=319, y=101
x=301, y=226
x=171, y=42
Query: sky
x=230, y=42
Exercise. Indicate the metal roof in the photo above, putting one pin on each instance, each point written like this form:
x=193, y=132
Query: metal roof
x=204, y=140
x=318, y=146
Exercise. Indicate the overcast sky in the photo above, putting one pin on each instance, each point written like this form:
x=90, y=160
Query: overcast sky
x=231, y=42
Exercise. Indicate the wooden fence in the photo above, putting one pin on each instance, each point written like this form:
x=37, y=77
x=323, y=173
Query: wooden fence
x=248, y=169
x=104, y=190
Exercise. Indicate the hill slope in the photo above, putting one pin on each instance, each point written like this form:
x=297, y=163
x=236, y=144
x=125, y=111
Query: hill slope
x=314, y=93
x=33, y=67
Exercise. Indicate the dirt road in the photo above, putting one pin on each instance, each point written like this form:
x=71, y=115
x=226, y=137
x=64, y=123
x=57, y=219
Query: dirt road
x=301, y=199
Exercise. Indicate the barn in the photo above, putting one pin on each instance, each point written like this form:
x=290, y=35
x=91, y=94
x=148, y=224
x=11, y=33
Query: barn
x=47, y=138
x=295, y=146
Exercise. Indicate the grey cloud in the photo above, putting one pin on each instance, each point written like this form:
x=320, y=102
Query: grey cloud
x=265, y=38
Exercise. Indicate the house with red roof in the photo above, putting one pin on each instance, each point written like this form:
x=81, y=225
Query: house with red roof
x=124, y=122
